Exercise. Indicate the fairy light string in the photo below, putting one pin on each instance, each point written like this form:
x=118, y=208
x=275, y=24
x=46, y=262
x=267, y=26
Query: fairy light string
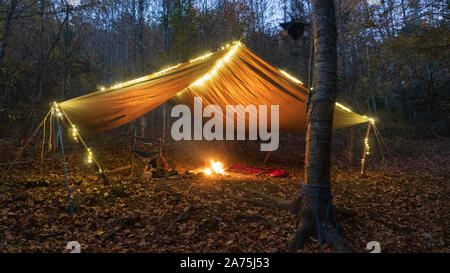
x=168, y=69
x=233, y=47
x=76, y=135
x=339, y=105
x=74, y=130
x=218, y=65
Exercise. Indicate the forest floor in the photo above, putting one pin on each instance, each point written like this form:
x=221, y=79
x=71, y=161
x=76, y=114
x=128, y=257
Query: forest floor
x=402, y=202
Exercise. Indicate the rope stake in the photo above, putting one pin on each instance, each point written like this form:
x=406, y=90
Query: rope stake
x=65, y=167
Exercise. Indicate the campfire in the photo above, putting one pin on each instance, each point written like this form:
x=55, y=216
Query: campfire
x=215, y=169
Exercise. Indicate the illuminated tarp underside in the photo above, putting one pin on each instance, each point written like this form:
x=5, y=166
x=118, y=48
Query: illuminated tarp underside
x=230, y=76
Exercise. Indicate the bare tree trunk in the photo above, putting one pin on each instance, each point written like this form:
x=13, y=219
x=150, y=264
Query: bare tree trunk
x=41, y=52
x=371, y=98
x=167, y=8
x=140, y=42
x=7, y=28
x=66, y=33
x=387, y=103
x=133, y=38
x=319, y=132
x=4, y=83
x=41, y=67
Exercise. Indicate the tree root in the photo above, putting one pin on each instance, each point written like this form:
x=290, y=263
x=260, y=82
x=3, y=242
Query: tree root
x=256, y=202
x=308, y=229
x=302, y=207
x=338, y=243
x=304, y=232
x=271, y=201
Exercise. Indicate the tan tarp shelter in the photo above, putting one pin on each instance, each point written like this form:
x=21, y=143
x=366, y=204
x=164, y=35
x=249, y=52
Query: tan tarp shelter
x=232, y=75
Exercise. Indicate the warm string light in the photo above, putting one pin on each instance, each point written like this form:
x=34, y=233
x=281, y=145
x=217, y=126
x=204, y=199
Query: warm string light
x=366, y=146
x=228, y=45
x=292, y=78
x=200, y=58
x=366, y=140
x=209, y=75
x=138, y=80
x=141, y=79
x=56, y=109
x=75, y=134
x=89, y=160
x=372, y=120
x=218, y=65
x=166, y=70
x=343, y=107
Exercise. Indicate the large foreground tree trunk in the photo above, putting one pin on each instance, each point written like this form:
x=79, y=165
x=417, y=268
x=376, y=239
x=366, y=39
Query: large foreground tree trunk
x=312, y=209
x=140, y=42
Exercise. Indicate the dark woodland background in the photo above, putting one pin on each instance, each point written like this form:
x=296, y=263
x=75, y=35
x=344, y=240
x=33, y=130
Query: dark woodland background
x=393, y=54
x=393, y=64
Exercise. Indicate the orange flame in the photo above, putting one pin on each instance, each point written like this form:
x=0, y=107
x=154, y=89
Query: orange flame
x=216, y=168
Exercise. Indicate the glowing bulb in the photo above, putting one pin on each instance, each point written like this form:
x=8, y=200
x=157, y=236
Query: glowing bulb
x=58, y=113
x=218, y=65
x=90, y=156
x=369, y=119
x=200, y=58
x=366, y=145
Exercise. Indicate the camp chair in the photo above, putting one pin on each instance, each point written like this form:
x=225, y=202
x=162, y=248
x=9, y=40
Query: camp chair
x=147, y=156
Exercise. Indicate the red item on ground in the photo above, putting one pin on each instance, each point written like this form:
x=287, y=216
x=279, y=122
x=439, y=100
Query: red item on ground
x=278, y=173
x=241, y=168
